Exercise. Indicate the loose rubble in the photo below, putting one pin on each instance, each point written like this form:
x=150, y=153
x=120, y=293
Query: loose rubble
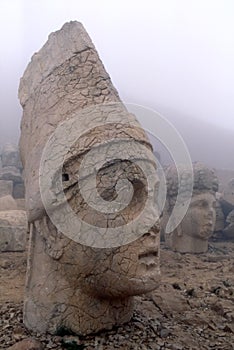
x=192, y=309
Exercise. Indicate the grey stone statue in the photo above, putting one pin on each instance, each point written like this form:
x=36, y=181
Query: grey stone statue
x=191, y=236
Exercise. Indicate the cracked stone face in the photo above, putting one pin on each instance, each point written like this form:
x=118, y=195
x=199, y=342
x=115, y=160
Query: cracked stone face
x=200, y=218
x=127, y=270
x=84, y=287
x=196, y=227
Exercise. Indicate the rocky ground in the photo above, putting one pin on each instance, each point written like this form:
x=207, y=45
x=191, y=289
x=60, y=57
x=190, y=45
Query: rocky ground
x=193, y=308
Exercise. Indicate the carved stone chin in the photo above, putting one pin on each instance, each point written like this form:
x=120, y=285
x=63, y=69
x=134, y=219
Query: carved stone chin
x=85, y=288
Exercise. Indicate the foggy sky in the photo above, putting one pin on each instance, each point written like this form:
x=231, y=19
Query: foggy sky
x=173, y=56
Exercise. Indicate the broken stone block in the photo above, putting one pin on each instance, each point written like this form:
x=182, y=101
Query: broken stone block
x=6, y=188
x=11, y=173
x=7, y=203
x=10, y=156
x=13, y=229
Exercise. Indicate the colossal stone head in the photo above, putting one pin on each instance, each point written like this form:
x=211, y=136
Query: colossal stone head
x=191, y=236
x=91, y=190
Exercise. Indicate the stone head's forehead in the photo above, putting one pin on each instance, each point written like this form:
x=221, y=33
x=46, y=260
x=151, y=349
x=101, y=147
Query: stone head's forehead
x=205, y=180
x=207, y=196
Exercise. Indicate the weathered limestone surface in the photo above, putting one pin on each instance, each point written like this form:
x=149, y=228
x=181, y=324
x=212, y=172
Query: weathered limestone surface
x=191, y=236
x=71, y=285
x=13, y=229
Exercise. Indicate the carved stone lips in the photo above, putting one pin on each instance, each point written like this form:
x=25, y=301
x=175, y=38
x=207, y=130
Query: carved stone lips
x=149, y=258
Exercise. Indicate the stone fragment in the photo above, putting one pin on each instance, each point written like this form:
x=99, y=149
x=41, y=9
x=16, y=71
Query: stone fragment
x=192, y=234
x=7, y=203
x=27, y=344
x=11, y=173
x=6, y=188
x=10, y=156
x=66, y=92
x=13, y=229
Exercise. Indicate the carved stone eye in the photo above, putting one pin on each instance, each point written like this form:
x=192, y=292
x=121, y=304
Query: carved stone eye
x=65, y=177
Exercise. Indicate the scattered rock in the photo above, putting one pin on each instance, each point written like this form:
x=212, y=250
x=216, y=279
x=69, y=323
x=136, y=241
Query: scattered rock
x=168, y=318
x=27, y=344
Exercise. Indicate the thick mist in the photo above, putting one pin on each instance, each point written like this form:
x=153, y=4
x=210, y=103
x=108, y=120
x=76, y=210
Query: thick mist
x=174, y=57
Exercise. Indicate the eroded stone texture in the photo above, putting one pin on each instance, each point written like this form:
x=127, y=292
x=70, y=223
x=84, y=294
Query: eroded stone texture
x=13, y=229
x=191, y=236
x=82, y=288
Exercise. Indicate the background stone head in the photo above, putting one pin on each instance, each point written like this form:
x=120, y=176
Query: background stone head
x=198, y=223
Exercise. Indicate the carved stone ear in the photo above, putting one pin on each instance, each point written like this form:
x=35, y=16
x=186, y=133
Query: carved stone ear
x=54, y=240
